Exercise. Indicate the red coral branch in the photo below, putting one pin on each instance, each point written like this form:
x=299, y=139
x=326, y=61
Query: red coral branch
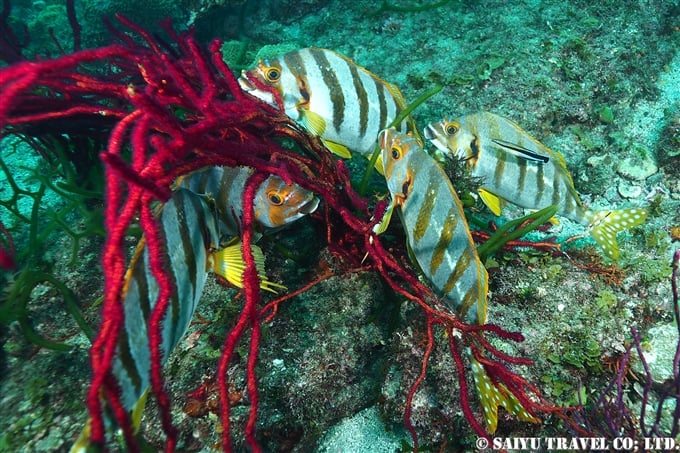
x=7, y=252
x=178, y=110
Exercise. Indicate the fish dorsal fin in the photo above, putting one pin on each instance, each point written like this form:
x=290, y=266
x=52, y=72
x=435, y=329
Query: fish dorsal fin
x=562, y=163
x=605, y=224
x=338, y=149
x=313, y=122
x=522, y=152
x=493, y=202
x=228, y=263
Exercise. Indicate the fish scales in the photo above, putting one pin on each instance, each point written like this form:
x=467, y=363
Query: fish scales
x=517, y=168
x=529, y=184
x=329, y=95
x=187, y=247
x=434, y=221
x=205, y=209
x=225, y=186
x=441, y=243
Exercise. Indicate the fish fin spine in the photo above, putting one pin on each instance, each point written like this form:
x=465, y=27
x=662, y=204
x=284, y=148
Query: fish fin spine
x=228, y=263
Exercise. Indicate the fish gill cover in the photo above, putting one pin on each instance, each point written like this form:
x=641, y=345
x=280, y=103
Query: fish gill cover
x=168, y=108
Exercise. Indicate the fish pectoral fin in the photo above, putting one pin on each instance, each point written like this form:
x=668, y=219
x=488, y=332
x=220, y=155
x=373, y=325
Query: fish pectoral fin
x=522, y=152
x=493, y=202
x=380, y=227
x=313, y=122
x=228, y=263
x=379, y=165
x=605, y=224
x=83, y=444
x=492, y=395
x=553, y=220
x=338, y=149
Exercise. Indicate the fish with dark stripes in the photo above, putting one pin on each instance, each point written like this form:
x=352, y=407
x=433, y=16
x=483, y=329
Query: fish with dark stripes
x=204, y=211
x=330, y=96
x=517, y=168
x=440, y=240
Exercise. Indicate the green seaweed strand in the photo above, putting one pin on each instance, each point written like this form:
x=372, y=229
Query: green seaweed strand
x=400, y=117
x=15, y=307
x=513, y=230
x=29, y=280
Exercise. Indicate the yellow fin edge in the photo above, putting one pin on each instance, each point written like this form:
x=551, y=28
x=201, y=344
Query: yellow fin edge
x=228, y=263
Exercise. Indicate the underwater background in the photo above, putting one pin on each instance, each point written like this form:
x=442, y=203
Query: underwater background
x=598, y=81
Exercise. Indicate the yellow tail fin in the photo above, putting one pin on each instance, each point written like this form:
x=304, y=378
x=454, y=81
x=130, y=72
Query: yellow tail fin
x=605, y=224
x=228, y=263
x=492, y=396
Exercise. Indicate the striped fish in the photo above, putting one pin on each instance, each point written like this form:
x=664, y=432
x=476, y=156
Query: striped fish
x=330, y=96
x=276, y=203
x=204, y=209
x=440, y=241
x=517, y=168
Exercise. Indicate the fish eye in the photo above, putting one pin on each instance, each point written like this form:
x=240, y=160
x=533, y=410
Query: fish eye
x=275, y=198
x=272, y=74
x=451, y=129
x=395, y=152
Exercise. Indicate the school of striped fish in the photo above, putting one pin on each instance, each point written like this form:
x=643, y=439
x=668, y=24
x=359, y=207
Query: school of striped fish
x=352, y=110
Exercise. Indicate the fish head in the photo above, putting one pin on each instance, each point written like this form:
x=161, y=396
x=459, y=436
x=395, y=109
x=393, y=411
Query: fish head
x=277, y=204
x=450, y=138
x=272, y=78
x=397, y=150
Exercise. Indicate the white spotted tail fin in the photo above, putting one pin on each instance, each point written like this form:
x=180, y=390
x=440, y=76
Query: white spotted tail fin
x=493, y=395
x=605, y=224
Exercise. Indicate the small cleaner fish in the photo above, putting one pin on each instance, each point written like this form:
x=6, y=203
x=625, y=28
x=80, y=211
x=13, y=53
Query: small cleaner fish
x=516, y=167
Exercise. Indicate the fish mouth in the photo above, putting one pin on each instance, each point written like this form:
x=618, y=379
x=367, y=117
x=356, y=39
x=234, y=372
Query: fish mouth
x=245, y=83
x=309, y=206
x=429, y=132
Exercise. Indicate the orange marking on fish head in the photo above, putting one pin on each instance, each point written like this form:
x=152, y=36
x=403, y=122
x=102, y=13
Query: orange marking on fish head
x=277, y=203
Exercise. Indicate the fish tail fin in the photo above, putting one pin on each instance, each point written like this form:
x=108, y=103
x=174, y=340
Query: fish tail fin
x=228, y=263
x=605, y=224
x=83, y=444
x=492, y=395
